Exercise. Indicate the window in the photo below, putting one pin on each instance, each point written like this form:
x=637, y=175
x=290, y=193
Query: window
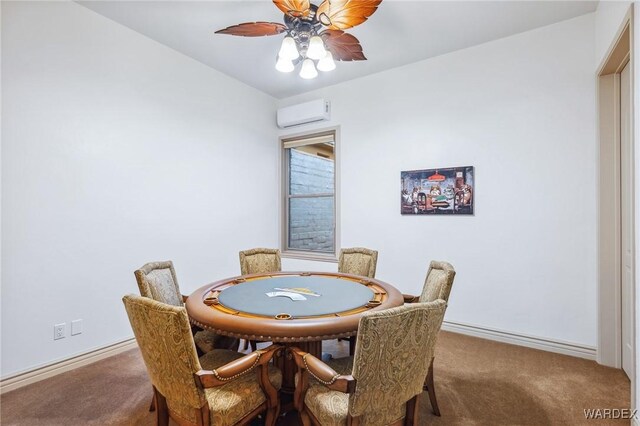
x=309, y=182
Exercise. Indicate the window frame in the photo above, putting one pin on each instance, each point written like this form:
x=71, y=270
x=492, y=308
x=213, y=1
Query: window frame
x=285, y=196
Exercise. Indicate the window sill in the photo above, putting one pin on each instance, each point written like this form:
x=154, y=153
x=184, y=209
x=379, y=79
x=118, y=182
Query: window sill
x=300, y=255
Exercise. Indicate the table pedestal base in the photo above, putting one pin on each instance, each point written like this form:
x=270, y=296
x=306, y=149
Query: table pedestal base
x=287, y=365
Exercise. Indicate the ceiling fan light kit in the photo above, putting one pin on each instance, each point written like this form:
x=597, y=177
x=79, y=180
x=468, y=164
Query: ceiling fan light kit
x=308, y=69
x=313, y=33
x=284, y=65
x=327, y=63
x=288, y=49
x=316, y=48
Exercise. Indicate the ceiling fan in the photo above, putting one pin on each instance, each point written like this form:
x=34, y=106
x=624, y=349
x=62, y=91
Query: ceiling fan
x=313, y=33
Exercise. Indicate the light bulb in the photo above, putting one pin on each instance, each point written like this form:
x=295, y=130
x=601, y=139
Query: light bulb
x=326, y=63
x=284, y=65
x=308, y=70
x=316, y=48
x=288, y=49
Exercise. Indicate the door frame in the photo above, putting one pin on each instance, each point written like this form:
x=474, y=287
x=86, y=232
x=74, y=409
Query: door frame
x=619, y=54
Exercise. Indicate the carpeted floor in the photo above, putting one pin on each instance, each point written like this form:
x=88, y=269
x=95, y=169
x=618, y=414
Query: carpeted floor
x=478, y=382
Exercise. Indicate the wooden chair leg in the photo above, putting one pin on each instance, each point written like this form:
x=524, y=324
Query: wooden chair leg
x=353, y=421
x=431, y=390
x=304, y=417
x=152, y=406
x=272, y=416
x=411, y=415
x=162, y=411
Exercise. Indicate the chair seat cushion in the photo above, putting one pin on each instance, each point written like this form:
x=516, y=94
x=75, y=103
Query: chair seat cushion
x=217, y=358
x=207, y=341
x=341, y=365
x=331, y=408
x=229, y=403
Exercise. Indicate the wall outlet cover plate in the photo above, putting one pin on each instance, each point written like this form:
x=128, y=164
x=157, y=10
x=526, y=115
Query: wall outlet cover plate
x=59, y=331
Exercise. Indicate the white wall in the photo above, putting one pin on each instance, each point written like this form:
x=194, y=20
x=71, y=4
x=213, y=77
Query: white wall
x=117, y=151
x=522, y=111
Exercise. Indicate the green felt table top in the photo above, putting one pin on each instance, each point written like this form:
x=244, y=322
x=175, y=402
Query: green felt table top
x=336, y=295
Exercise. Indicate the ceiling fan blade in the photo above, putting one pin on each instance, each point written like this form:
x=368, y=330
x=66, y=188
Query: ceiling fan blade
x=343, y=14
x=343, y=46
x=294, y=8
x=254, y=29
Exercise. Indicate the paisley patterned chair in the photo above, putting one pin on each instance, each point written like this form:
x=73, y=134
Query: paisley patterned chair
x=157, y=281
x=260, y=261
x=380, y=384
x=358, y=261
x=437, y=285
x=221, y=388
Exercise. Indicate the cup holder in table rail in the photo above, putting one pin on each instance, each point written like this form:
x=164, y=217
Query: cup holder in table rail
x=211, y=300
x=373, y=303
x=283, y=317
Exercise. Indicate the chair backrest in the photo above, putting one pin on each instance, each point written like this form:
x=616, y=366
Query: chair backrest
x=157, y=281
x=358, y=261
x=260, y=261
x=392, y=357
x=164, y=337
x=438, y=283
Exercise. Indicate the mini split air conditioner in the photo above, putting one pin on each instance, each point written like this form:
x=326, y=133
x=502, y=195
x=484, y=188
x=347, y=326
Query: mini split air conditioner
x=308, y=112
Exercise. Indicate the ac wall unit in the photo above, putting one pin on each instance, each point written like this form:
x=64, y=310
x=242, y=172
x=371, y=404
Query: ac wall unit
x=308, y=112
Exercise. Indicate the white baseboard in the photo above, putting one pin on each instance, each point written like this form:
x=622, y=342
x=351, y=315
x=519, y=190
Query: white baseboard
x=549, y=345
x=26, y=378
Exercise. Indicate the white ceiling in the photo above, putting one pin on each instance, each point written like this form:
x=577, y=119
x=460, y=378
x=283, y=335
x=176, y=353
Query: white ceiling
x=400, y=32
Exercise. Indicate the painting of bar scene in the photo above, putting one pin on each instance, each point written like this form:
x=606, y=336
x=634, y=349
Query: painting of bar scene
x=437, y=191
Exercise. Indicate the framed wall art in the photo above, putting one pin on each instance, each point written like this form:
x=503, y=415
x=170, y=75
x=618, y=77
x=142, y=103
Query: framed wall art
x=437, y=191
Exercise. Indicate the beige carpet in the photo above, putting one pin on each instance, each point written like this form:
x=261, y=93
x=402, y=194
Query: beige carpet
x=478, y=382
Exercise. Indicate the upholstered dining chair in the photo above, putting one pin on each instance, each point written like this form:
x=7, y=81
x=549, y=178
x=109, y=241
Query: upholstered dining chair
x=260, y=261
x=437, y=285
x=358, y=261
x=221, y=388
x=380, y=384
x=158, y=281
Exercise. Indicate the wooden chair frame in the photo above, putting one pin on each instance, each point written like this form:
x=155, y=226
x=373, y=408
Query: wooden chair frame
x=373, y=255
x=258, y=360
x=429, y=384
x=310, y=365
x=143, y=286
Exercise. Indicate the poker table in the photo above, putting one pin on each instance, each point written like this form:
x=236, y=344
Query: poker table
x=331, y=306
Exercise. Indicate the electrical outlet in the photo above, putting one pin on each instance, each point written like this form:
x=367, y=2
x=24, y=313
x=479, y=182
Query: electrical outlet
x=76, y=327
x=59, y=331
